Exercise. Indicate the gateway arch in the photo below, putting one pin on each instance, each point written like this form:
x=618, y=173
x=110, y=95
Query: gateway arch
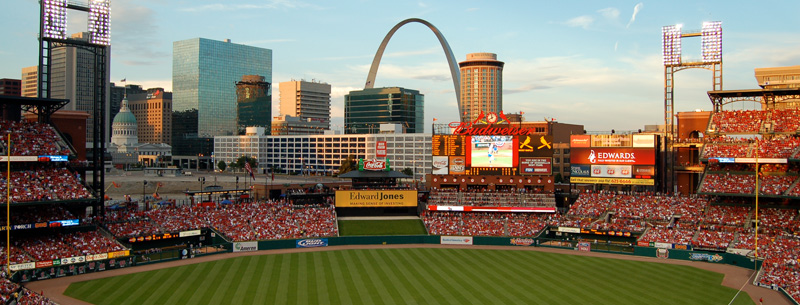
x=451, y=59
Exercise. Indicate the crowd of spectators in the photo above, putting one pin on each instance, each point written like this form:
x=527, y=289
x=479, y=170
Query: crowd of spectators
x=276, y=219
x=780, y=268
x=738, y=121
x=32, y=139
x=726, y=150
x=717, y=240
x=37, y=214
x=44, y=185
x=13, y=293
x=486, y=224
x=592, y=204
x=668, y=235
x=721, y=217
x=56, y=246
x=728, y=183
x=748, y=241
x=785, y=120
x=778, y=147
x=659, y=207
x=485, y=197
x=775, y=185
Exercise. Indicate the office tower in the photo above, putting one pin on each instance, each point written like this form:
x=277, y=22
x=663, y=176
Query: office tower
x=308, y=101
x=481, y=85
x=72, y=78
x=204, y=74
x=253, y=103
x=30, y=81
x=153, y=112
x=10, y=86
x=365, y=110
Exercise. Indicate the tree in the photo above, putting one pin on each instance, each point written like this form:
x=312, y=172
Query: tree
x=245, y=159
x=558, y=178
x=221, y=165
x=348, y=164
x=408, y=171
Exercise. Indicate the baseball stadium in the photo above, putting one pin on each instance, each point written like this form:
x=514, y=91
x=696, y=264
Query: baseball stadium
x=702, y=212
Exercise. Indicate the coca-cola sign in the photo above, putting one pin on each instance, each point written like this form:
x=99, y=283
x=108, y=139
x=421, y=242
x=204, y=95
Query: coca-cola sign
x=375, y=165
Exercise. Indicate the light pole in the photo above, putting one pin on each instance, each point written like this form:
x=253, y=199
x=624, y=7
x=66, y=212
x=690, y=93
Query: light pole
x=144, y=184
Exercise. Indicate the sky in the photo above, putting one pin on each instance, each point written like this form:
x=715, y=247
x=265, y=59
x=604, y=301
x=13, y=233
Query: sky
x=595, y=63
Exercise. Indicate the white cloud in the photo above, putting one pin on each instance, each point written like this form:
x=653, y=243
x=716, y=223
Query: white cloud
x=636, y=10
x=581, y=21
x=609, y=13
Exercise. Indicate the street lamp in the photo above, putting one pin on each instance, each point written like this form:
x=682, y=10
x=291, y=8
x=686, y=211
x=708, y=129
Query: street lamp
x=144, y=184
x=202, y=181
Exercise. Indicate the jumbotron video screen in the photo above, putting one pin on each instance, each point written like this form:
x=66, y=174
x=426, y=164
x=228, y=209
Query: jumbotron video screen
x=506, y=155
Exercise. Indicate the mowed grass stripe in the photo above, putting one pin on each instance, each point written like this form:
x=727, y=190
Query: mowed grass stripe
x=441, y=277
x=421, y=276
x=365, y=289
x=389, y=269
x=455, y=261
x=405, y=268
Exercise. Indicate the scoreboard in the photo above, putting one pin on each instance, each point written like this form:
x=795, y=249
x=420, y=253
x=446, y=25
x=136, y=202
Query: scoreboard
x=506, y=155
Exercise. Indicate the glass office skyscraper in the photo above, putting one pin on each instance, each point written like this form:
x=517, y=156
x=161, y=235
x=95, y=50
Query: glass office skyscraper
x=365, y=110
x=204, y=76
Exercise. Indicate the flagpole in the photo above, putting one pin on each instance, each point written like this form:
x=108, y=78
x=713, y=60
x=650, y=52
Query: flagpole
x=8, y=206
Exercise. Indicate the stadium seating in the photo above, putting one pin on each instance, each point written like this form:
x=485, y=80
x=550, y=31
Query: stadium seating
x=738, y=121
x=785, y=120
x=45, y=185
x=728, y=183
x=32, y=139
x=780, y=268
x=668, y=235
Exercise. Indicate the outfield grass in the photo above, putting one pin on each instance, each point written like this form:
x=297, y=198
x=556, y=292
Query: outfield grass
x=381, y=227
x=414, y=276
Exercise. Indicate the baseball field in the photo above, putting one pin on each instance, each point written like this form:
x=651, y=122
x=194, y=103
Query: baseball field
x=414, y=276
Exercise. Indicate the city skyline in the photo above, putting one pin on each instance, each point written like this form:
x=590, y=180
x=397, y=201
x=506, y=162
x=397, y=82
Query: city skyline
x=581, y=62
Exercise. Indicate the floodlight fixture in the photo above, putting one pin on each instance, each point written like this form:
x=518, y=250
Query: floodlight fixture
x=99, y=22
x=712, y=41
x=671, y=42
x=54, y=19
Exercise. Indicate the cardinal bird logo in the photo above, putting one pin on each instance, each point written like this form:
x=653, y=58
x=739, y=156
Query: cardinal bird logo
x=525, y=143
x=544, y=143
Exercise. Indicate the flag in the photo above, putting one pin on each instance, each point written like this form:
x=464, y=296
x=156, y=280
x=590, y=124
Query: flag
x=249, y=170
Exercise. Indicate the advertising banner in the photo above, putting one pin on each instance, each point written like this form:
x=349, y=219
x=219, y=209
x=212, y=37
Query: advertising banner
x=376, y=198
x=189, y=233
x=96, y=257
x=522, y=241
x=644, y=171
x=584, y=246
x=380, y=149
x=613, y=156
x=119, y=254
x=580, y=170
x=611, y=171
x=663, y=245
x=455, y=240
x=535, y=166
x=630, y=181
x=458, y=165
x=23, y=266
x=441, y=165
x=245, y=246
x=73, y=260
x=459, y=208
x=580, y=141
x=644, y=140
x=569, y=230
x=312, y=243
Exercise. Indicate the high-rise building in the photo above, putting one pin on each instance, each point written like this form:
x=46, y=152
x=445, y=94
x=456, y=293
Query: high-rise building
x=365, y=110
x=72, y=78
x=204, y=74
x=253, y=103
x=308, y=101
x=481, y=85
x=30, y=81
x=153, y=112
x=10, y=86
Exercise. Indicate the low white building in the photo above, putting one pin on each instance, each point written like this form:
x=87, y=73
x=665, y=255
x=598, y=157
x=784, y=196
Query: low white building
x=323, y=154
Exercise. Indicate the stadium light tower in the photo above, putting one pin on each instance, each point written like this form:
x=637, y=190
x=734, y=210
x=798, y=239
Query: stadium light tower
x=711, y=50
x=53, y=34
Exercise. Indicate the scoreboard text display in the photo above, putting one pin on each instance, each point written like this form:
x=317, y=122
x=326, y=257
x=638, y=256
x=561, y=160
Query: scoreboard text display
x=613, y=159
x=506, y=155
x=376, y=199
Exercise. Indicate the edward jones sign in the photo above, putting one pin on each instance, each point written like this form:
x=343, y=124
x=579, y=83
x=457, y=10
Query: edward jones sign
x=374, y=199
x=599, y=155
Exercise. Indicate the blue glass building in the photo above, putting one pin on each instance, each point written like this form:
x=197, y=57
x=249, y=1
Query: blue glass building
x=204, y=76
x=365, y=110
